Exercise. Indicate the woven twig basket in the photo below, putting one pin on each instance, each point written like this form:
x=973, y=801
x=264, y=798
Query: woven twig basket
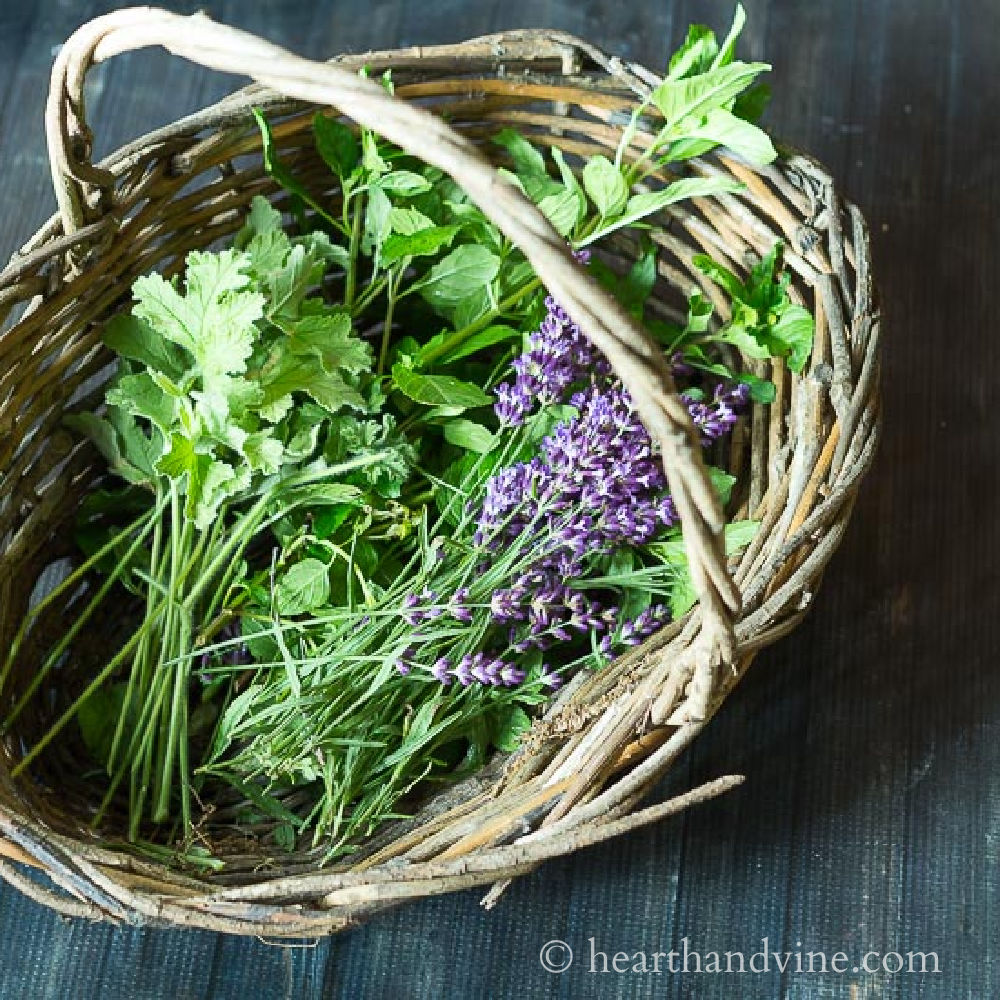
x=581, y=774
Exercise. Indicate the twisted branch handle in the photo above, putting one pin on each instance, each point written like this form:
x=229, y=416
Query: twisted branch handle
x=638, y=361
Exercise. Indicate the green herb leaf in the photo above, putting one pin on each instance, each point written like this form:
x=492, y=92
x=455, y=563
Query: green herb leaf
x=438, y=390
x=404, y=183
x=305, y=587
x=697, y=95
x=422, y=243
x=723, y=128
x=641, y=206
x=136, y=340
x=330, y=338
x=470, y=435
x=336, y=143
x=792, y=336
x=466, y=268
x=603, y=181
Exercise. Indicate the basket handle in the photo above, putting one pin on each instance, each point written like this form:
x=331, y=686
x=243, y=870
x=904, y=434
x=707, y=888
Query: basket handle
x=636, y=359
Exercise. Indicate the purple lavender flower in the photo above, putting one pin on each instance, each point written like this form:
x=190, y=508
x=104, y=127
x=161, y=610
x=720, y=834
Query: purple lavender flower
x=421, y=607
x=478, y=668
x=716, y=418
x=559, y=355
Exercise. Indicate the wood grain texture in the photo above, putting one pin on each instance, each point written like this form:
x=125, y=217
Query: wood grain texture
x=870, y=819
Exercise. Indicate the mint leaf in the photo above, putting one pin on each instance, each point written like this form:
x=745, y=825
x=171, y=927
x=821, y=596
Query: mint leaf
x=723, y=482
x=465, y=269
x=469, y=435
x=603, y=181
x=336, y=143
x=438, y=390
x=563, y=210
x=722, y=127
x=405, y=183
x=407, y=221
x=421, y=243
x=377, y=213
x=305, y=587
x=528, y=161
x=697, y=95
x=762, y=390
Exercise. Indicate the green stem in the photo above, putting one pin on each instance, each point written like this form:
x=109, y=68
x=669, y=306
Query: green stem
x=355, y=242
x=67, y=584
x=70, y=712
x=64, y=643
x=383, y=354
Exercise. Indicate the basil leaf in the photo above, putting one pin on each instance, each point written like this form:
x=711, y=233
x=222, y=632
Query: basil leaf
x=640, y=206
x=792, y=335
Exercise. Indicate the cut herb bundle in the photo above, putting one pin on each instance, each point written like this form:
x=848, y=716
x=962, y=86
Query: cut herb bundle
x=382, y=495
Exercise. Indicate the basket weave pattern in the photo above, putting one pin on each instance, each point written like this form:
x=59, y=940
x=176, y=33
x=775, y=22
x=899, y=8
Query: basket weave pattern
x=581, y=775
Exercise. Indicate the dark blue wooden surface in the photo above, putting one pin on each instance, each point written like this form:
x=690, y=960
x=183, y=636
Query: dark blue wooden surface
x=870, y=819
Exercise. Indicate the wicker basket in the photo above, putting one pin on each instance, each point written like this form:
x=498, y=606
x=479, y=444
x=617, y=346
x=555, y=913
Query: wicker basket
x=580, y=776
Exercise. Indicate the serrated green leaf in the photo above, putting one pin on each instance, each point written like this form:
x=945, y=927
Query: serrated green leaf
x=305, y=587
x=330, y=337
x=305, y=373
x=141, y=396
x=563, y=210
x=263, y=452
x=408, y=220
